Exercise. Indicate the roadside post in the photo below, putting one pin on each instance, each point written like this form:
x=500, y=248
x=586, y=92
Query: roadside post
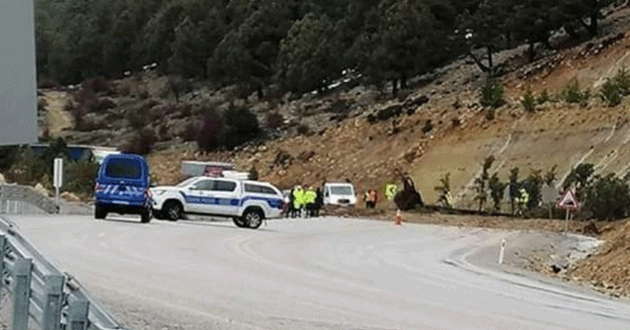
x=58, y=177
x=568, y=202
x=502, y=252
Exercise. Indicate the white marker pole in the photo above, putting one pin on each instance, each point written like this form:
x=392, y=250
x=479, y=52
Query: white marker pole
x=502, y=253
x=58, y=177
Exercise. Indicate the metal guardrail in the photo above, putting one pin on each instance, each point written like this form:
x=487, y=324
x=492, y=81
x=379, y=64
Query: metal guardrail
x=42, y=293
x=12, y=195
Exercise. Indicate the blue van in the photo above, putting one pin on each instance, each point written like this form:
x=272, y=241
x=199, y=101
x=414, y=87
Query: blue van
x=122, y=187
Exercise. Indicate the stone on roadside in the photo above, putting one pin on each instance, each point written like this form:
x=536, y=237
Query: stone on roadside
x=70, y=197
x=2, y=179
x=40, y=189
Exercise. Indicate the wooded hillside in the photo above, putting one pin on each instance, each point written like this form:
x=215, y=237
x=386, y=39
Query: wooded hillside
x=296, y=45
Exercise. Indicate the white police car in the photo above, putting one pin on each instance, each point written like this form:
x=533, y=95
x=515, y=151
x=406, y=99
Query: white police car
x=246, y=202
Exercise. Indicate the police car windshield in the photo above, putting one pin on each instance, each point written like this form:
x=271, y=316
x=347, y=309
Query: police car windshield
x=185, y=182
x=341, y=190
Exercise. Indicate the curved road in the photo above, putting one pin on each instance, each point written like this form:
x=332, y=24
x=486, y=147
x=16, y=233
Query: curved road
x=308, y=274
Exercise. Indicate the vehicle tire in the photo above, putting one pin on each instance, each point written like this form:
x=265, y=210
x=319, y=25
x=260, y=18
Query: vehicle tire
x=253, y=218
x=172, y=210
x=239, y=222
x=99, y=212
x=145, y=216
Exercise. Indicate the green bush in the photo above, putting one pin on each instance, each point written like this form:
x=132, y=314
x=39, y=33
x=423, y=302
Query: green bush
x=608, y=198
x=497, y=190
x=622, y=81
x=615, y=88
x=579, y=176
x=533, y=185
x=610, y=93
x=8, y=155
x=28, y=169
x=528, y=101
x=543, y=97
x=81, y=176
x=493, y=94
x=572, y=93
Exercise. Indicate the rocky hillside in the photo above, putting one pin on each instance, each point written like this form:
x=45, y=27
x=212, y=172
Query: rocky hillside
x=442, y=128
x=436, y=127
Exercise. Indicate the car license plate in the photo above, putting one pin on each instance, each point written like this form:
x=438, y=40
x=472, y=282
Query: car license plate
x=121, y=202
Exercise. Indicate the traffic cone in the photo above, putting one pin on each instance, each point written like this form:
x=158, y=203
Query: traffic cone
x=398, y=218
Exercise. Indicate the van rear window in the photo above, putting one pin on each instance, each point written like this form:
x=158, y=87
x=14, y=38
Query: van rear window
x=123, y=169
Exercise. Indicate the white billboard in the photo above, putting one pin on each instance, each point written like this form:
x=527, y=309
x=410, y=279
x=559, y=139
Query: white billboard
x=18, y=96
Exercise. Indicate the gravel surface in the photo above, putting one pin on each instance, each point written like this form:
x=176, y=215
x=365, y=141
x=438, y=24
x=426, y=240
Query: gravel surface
x=326, y=273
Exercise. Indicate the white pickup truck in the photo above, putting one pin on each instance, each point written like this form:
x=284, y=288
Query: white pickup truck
x=248, y=203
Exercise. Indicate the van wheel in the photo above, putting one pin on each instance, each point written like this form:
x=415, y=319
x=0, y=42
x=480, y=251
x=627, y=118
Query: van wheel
x=172, y=210
x=99, y=212
x=239, y=222
x=253, y=218
x=146, y=215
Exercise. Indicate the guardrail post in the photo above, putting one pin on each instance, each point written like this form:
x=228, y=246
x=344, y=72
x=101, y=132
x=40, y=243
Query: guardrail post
x=2, y=210
x=78, y=315
x=3, y=242
x=22, y=293
x=53, y=295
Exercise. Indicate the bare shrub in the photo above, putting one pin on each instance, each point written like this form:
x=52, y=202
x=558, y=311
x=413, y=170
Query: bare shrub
x=86, y=99
x=68, y=106
x=274, y=120
x=41, y=104
x=303, y=129
x=141, y=143
x=136, y=118
x=104, y=104
x=179, y=86
x=125, y=87
x=210, y=133
x=48, y=84
x=98, y=85
x=78, y=114
x=81, y=177
x=191, y=131
x=139, y=116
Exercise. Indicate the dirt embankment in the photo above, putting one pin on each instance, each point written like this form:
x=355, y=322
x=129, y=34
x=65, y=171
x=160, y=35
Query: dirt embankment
x=58, y=119
x=609, y=270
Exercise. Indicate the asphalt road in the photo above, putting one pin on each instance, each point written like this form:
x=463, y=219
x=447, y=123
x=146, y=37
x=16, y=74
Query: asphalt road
x=309, y=274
